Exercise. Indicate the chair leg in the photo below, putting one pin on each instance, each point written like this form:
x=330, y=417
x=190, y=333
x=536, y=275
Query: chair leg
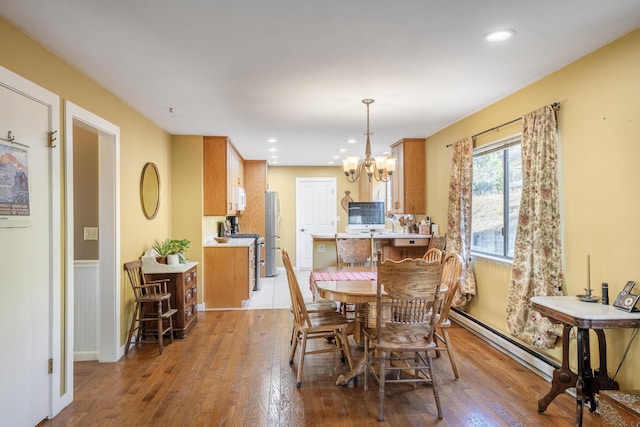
x=303, y=349
x=170, y=326
x=434, y=387
x=445, y=335
x=294, y=344
x=383, y=368
x=160, y=334
x=136, y=308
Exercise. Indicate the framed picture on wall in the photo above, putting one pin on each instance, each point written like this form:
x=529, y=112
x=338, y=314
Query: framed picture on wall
x=15, y=209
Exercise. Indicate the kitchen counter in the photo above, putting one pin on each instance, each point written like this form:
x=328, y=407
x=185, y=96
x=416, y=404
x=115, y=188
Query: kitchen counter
x=376, y=236
x=232, y=243
x=392, y=245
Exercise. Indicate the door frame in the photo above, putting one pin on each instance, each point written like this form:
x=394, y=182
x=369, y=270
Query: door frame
x=109, y=348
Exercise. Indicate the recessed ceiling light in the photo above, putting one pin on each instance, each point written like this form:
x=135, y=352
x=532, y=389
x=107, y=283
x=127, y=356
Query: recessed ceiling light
x=351, y=141
x=499, y=35
x=336, y=157
x=274, y=162
x=272, y=140
x=274, y=157
x=343, y=150
x=273, y=149
x=330, y=162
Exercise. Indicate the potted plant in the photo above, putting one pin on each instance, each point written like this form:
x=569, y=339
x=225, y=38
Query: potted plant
x=169, y=248
x=180, y=246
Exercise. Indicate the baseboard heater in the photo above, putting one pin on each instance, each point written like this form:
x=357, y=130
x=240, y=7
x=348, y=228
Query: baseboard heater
x=527, y=357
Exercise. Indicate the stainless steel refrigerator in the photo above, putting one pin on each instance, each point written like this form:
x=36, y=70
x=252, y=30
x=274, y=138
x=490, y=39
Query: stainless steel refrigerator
x=272, y=233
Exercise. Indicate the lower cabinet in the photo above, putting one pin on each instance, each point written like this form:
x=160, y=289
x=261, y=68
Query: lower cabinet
x=229, y=276
x=183, y=287
x=401, y=248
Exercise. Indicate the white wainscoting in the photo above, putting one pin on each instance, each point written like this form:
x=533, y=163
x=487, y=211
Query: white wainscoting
x=86, y=310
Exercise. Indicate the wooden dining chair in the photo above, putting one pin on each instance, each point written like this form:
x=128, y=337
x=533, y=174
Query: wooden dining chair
x=350, y=252
x=353, y=251
x=307, y=326
x=433, y=255
x=451, y=276
x=402, y=340
x=439, y=242
x=318, y=306
x=152, y=313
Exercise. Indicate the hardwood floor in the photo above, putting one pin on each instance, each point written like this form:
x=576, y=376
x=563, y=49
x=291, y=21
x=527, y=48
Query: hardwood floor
x=233, y=369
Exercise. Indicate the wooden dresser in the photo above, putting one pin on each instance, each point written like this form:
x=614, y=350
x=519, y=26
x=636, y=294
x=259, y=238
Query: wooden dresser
x=183, y=286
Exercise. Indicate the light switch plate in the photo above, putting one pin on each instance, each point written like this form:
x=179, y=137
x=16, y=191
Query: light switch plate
x=320, y=248
x=91, y=233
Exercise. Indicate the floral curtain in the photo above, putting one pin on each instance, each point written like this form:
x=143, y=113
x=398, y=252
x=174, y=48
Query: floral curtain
x=459, y=216
x=537, y=259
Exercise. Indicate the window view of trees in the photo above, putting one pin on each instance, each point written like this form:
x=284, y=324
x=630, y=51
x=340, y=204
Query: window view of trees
x=497, y=184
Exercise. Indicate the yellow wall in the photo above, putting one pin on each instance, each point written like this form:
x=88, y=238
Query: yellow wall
x=599, y=130
x=141, y=141
x=186, y=188
x=282, y=179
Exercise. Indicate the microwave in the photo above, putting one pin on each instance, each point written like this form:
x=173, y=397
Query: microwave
x=241, y=199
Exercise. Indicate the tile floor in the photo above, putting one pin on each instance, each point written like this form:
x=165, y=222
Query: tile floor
x=274, y=291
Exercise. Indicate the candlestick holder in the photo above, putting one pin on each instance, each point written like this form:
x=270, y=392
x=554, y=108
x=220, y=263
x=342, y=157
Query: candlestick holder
x=587, y=297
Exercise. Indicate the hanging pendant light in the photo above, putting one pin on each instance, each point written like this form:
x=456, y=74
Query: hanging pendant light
x=380, y=168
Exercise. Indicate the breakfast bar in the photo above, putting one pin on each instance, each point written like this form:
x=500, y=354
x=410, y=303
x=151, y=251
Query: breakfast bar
x=392, y=245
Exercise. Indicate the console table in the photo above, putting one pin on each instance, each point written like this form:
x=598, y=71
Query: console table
x=572, y=312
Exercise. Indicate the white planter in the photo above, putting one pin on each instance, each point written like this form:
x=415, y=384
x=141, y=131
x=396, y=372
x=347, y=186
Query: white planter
x=173, y=259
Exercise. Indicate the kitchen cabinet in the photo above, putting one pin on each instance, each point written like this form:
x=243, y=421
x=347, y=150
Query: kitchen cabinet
x=253, y=219
x=183, y=286
x=223, y=171
x=229, y=273
x=408, y=184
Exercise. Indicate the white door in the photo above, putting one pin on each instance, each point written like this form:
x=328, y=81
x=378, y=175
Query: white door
x=29, y=253
x=316, y=213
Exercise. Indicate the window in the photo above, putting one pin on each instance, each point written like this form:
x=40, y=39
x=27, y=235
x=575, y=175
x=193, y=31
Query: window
x=497, y=185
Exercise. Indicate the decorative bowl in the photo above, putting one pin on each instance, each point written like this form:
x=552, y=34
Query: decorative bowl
x=221, y=239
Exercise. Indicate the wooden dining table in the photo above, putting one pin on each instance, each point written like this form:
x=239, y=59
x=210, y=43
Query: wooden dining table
x=347, y=285
x=362, y=293
x=358, y=292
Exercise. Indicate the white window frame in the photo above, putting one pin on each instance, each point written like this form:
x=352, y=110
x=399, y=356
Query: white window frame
x=498, y=145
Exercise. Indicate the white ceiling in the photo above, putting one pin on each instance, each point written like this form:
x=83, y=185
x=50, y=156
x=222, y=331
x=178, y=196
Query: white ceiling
x=297, y=70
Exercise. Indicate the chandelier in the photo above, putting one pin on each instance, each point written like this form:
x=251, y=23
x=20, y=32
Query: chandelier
x=380, y=168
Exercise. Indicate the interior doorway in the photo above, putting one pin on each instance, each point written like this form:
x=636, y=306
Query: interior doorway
x=316, y=213
x=106, y=231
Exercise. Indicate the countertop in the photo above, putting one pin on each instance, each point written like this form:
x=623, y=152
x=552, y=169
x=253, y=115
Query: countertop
x=151, y=266
x=571, y=305
x=383, y=235
x=232, y=243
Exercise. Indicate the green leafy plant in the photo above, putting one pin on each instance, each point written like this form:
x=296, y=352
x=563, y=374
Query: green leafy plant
x=171, y=247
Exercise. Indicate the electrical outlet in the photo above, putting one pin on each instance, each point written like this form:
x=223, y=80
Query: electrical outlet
x=320, y=248
x=91, y=233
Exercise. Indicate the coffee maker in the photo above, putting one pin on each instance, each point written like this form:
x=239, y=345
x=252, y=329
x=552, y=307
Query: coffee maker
x=234, y=224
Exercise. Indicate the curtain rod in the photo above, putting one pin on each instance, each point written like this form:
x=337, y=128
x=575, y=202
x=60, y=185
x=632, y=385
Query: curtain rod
x=555, y=106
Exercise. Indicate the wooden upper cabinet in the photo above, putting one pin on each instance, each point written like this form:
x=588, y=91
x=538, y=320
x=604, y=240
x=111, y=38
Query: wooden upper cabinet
x=223, y=172
x=408, y=184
